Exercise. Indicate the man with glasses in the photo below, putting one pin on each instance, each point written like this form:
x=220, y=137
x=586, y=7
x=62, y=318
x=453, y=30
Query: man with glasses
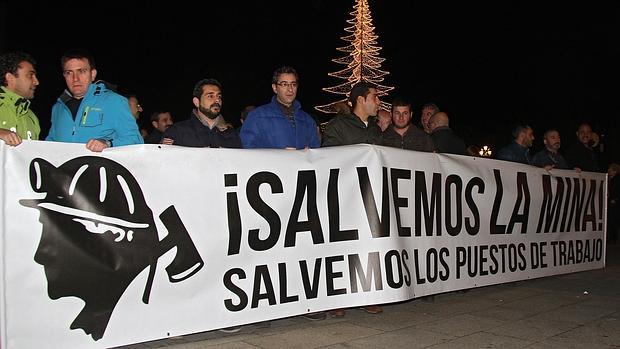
x=281, y=124
x=90, y=112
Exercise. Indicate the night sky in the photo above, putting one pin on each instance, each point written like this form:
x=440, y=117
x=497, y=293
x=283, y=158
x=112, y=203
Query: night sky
x=489, y=66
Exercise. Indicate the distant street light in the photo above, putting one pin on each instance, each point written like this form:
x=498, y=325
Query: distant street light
x=485, y=151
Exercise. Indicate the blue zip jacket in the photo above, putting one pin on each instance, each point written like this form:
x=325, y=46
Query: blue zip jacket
x=268, y=127
x=103, y=114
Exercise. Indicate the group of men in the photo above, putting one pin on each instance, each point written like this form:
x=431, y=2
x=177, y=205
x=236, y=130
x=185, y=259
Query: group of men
x=90, y=112
x=581, y=156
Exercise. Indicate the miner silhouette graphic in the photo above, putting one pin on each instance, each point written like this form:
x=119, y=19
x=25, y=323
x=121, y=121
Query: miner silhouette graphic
x=99, y=234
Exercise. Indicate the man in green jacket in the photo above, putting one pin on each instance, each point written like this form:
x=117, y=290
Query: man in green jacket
x=19, y=81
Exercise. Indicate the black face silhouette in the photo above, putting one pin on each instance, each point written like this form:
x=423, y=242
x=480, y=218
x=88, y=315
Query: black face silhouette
x=99, y=234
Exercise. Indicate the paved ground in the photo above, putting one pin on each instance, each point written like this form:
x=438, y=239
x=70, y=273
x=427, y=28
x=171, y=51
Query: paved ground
x=580, y=310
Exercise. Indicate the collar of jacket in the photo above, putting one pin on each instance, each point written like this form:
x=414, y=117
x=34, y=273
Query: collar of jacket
x=441, y=128
x=220, y=122
x=22, y=105
x=94, y=89
x=296, y=105
x=372, y=120
x=392, y=130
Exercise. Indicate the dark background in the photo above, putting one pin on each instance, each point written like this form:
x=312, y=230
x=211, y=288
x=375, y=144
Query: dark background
x=489, y=66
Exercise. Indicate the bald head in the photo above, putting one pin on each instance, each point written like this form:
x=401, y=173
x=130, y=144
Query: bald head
x=438, y=119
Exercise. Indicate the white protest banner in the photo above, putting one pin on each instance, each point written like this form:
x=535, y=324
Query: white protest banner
x=146, y=242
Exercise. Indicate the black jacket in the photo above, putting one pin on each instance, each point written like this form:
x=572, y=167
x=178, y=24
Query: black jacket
x=192, y=133
x=154, y=137
x=446, y=141
x=585, y=158
x=413, y=139
x=348, y=129
x=545, y=157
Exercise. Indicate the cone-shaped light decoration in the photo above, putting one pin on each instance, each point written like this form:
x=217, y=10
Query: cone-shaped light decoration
x=362, y=59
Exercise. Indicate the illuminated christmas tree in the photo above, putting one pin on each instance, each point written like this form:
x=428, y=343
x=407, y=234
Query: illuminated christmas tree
x=362, y=59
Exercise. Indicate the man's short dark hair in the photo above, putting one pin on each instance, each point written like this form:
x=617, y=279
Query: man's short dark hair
x=401, y=102
x=283, y=70
x=431, y=105
x=155, y=115
x=549, y=131
x=518, y=129
x=78, y=53
x=360, y=89
x=198, y=87
x=9, y=63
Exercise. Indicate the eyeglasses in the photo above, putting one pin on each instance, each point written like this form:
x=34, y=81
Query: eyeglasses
x=287, y=84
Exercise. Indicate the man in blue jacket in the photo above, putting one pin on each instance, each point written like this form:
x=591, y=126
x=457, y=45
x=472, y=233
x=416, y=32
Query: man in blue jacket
x=90, y=112
x=281, y=124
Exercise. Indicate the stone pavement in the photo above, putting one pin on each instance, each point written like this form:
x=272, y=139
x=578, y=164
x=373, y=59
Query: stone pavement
x=580, y=310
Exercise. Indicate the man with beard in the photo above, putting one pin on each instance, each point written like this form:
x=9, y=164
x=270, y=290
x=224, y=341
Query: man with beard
x=550, y=157
x=281, y=124
x=161, y=121
x=519, y=149
x=206, y=127
x=401, y=133
x=582, y=154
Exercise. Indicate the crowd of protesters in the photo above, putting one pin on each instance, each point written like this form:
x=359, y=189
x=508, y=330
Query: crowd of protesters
x=89, y=111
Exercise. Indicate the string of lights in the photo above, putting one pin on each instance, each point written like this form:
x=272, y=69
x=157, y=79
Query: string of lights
x=362, y=59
